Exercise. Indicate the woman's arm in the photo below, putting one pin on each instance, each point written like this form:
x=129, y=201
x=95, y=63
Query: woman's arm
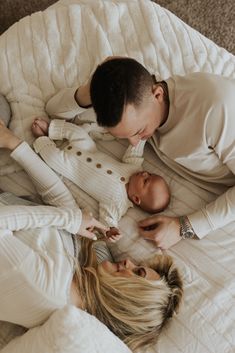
x=21, y=217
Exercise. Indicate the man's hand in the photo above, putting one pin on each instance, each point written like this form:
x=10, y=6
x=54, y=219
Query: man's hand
x=89, y=225
x=82, y=95
x=162, y=230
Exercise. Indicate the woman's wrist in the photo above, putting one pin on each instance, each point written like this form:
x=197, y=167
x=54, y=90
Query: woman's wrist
x=82, y=96
x=14, y=143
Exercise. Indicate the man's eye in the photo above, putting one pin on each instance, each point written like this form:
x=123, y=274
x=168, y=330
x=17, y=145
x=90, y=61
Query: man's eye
x=140, y=271
x=140, y=132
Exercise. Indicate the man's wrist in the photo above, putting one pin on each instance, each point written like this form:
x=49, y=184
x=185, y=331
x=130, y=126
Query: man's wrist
x=186, y=229
x=82, y=97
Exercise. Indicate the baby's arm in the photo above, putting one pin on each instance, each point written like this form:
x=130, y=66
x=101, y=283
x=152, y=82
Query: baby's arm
x=60, y=129
x=134, y=154
x=48, y=185
x=109, y=216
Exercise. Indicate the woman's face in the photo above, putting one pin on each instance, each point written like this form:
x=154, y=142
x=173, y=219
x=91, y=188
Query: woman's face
x=126, y=268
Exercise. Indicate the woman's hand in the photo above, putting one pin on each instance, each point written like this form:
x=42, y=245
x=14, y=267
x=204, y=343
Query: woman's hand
x=162, y=230
x=7, y=138
x=89, y=224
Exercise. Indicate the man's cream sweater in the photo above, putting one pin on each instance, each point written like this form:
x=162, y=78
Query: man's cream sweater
x=198, y=142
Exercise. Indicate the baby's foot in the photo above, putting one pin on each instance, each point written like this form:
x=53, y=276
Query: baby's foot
x=7, y=137
x=40, y=127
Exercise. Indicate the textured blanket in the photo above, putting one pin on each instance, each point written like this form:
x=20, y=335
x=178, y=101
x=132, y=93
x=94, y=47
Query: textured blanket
x=60, y=47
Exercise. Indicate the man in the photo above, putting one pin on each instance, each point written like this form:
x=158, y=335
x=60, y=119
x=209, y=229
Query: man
x=189, y=122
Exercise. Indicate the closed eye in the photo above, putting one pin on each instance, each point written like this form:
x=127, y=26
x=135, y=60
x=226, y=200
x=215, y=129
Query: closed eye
x=140, y=271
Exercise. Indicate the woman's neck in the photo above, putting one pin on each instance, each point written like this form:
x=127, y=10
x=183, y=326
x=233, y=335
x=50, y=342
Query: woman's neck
x=75, y=297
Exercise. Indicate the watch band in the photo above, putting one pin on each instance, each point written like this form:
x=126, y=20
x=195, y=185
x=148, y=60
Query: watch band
x=186, y=230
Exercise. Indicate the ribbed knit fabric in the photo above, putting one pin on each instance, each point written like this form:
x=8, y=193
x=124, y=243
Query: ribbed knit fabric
x=96, y=173
x=36, y=249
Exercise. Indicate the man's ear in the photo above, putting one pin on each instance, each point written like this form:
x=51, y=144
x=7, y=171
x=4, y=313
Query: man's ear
x=158, y=92
x=136, y=200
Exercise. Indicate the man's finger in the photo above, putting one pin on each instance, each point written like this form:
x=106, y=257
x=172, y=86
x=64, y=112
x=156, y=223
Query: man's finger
x=148, y=234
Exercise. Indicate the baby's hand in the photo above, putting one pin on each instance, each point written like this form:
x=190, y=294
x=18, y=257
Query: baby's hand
x=40, y=127
x=113, y=235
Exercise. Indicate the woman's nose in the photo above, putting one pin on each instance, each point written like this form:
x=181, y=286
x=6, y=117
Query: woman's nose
x=128, y=264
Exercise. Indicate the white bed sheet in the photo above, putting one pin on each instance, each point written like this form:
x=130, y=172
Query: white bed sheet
x=60, y=47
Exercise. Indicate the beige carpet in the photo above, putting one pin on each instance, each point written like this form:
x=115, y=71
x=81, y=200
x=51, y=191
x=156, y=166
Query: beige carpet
x=213, y=18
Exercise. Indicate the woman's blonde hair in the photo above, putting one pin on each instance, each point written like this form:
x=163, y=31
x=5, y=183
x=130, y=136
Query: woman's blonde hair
x=133, y=308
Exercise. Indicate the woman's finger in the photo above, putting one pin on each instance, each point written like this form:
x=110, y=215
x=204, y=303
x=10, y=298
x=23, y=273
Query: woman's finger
x=100, y=225
x=89, y=235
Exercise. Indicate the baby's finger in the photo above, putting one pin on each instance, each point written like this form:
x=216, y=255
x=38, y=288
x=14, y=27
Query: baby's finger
x=112, y=240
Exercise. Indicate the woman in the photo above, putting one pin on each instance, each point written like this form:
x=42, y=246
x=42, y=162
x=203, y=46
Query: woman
x=40, y=272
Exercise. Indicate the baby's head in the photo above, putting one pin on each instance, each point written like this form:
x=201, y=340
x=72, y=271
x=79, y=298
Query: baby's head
x=148, y=191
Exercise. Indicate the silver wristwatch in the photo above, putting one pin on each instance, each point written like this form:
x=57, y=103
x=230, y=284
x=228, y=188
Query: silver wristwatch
x=186, y=230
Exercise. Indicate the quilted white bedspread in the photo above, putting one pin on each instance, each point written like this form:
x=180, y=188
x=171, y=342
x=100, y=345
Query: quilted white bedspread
x=60, y=47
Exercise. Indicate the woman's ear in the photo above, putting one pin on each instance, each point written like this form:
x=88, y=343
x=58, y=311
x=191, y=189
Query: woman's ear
x=136, y=200
x=158, y=92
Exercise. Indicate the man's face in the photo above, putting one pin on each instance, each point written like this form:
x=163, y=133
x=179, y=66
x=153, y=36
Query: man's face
x=140, y=123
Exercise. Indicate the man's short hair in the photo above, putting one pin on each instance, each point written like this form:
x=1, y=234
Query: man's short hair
x=116, y=83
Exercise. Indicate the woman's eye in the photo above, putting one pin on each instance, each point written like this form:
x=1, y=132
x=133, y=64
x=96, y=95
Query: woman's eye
x=140, y=271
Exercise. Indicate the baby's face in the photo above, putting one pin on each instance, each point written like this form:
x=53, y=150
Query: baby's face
x=149, y=191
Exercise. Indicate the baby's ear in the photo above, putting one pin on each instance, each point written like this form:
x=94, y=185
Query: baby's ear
x=136, y=200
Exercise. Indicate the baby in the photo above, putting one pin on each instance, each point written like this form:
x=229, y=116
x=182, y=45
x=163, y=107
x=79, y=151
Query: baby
x=115, y=185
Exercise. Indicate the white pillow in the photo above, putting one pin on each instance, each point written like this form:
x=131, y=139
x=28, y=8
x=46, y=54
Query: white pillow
x=68, y=330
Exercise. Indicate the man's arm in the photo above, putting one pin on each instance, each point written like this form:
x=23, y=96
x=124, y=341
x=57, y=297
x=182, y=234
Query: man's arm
x=219, y=130
x=69, y=102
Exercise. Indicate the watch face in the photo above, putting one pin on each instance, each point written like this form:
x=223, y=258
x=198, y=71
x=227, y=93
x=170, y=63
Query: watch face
x=188, y=234
x=186, y=230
